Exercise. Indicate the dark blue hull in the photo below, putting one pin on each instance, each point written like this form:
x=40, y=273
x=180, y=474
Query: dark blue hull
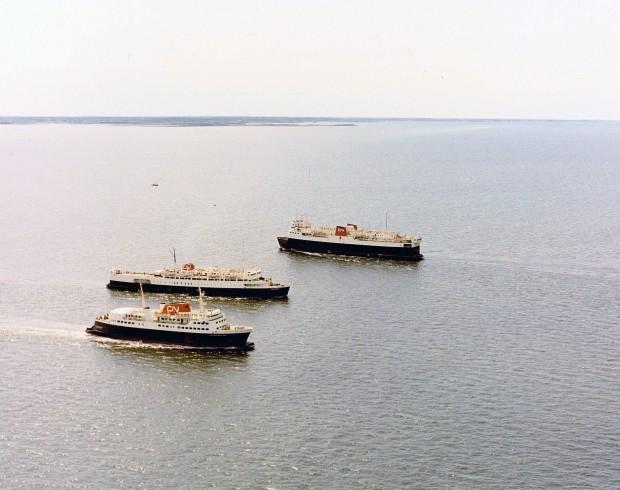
x=395, y=253
x=274, y=292
x=233, y=341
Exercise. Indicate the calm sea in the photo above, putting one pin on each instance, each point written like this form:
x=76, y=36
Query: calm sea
x=494, y=363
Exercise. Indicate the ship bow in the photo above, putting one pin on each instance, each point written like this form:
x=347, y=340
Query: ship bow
x=283, y=242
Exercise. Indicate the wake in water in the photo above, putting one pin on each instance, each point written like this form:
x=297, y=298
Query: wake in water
x=566, y=268
x=401, y=264
x=37, y=327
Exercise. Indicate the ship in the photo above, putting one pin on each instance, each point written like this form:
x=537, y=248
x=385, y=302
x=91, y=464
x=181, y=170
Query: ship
x=213, y=281
x=350, y=240
x=174, y=323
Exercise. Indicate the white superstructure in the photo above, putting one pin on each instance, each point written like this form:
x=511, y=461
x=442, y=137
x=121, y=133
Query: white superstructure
x=190, y=275
x=350, y=234
x=172, y=317
x=214, y=281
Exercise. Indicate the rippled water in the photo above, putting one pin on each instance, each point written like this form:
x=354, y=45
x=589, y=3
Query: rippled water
x=494, y=363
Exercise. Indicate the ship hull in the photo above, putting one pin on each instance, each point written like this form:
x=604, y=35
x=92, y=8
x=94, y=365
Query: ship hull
x=375, y=251
x=232, y=341
x=275, y=292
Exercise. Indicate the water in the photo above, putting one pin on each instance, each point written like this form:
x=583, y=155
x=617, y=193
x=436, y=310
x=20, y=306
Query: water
x=494, y=363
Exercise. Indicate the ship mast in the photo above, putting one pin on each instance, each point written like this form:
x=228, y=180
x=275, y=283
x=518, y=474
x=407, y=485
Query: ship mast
x=200, y=300
x=142, y=295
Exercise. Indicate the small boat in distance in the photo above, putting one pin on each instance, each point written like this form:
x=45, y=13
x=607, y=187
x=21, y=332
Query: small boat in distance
x=350, y=240
x=154, y=184
x=189, y=279
x=174, y=323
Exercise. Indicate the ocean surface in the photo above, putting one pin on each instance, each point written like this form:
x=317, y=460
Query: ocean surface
x=494, y=363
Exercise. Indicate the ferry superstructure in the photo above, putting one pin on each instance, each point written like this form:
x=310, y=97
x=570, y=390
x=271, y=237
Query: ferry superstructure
x=350, y=240
x=214, y=281
x=173, y=323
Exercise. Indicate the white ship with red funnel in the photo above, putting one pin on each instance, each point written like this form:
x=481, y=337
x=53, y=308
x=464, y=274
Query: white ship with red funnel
x=213, y=281
x=174, y=323
x=350, y=240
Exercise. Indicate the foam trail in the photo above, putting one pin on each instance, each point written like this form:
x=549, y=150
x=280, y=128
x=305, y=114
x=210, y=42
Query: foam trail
x=40, y=327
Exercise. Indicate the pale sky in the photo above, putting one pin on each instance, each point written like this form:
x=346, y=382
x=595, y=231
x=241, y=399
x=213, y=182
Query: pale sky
x=435, y=58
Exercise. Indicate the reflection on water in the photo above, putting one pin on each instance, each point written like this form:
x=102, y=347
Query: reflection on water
x=311, y=257
x=171, y=355
x=160, y=298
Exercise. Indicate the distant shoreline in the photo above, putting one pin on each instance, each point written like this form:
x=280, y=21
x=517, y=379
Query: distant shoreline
x=206, y=121
x=178, y=121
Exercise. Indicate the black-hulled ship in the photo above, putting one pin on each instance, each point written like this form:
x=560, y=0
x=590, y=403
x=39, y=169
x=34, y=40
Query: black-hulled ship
x=174, y=323
x=214, y=281
x=350, y=240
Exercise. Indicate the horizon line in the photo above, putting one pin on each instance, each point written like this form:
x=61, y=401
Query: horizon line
x=315, y=118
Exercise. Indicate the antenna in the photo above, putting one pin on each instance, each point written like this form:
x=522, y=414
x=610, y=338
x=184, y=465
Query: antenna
x=174, y=256
x=386, y=216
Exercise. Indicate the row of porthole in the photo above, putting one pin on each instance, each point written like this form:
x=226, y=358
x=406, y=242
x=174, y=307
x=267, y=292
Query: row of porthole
x=190, y=284
x=167, y=326
x=183, y=328
x=208, y=279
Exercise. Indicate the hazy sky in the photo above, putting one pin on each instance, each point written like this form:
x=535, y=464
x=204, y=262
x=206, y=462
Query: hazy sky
x=470, y=58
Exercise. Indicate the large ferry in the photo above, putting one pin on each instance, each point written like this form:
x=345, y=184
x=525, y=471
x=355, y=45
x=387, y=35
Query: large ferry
x=350, y=240
x=214, y=281
x=174, y=323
